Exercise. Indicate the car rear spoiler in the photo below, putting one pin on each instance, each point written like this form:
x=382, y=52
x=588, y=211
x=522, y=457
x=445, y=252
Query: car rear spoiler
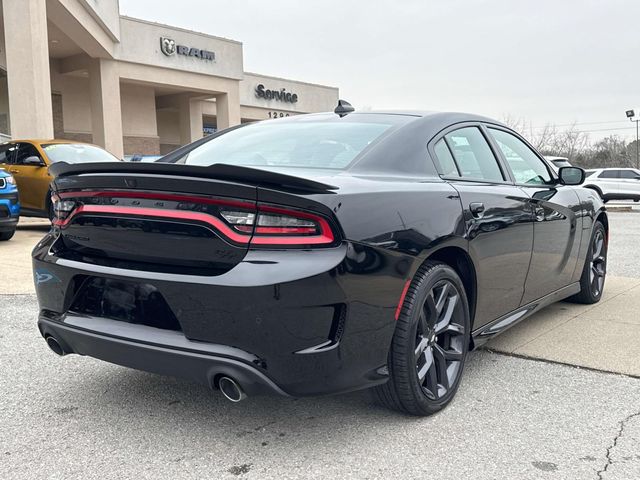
x=218, y=171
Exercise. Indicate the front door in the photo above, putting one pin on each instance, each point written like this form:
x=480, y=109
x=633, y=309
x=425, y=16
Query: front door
x=33, y=180
x=499, y=221
x=556, y=209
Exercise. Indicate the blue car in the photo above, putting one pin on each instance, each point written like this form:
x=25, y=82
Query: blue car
x=9, y=205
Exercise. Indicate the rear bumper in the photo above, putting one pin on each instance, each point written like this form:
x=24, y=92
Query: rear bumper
x=294, y=322
x=200, y=365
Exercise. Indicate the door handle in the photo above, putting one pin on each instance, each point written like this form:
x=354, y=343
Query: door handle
x=476, y=209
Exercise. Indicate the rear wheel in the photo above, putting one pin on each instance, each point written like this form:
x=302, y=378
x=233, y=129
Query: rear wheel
x=594, y=271
x=4, y=236
x=429, y=345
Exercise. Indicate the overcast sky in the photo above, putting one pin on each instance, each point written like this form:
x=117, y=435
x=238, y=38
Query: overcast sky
x=559, y=61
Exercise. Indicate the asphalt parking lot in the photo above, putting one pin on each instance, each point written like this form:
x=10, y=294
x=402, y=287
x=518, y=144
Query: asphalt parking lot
x=556, y=397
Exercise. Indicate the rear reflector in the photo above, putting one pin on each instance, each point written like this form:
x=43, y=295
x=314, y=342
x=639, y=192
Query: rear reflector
x=402, y=296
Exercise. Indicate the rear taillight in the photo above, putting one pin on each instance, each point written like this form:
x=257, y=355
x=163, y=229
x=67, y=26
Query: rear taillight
x=242, y=222
x=61, y=208
x=278, y=226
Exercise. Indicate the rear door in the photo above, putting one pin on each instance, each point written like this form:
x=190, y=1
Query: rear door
x=629, y=183
x=499, y=222
x=557, y=212
x=609, y=181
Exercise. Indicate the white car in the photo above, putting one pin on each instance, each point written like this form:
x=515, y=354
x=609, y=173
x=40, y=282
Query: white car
x=558, y=162
x=614, y=183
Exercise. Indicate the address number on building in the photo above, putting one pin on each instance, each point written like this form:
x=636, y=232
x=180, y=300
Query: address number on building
x=278, y=114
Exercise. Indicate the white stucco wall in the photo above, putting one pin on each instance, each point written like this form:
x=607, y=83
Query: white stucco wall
x=107, y=13
x=140, y=43
x=138, y=110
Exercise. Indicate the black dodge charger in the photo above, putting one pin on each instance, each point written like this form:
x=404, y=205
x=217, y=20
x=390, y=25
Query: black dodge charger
x=317, y=254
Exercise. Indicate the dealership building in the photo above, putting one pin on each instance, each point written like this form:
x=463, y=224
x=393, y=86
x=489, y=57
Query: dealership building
x=77, y=69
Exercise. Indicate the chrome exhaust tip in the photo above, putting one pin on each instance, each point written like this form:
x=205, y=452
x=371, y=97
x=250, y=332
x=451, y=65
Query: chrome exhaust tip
x=231, y=390
x=55, y=346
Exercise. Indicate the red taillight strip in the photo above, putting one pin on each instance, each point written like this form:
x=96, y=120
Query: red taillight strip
x=325, y=236
x=402, y=296
x=157, y=213
x=159, y=196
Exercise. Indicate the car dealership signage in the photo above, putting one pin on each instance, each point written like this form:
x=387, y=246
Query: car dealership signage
x=169, y=48
x=281, y=95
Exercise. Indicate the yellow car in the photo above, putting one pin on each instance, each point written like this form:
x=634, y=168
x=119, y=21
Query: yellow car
x=28, y=162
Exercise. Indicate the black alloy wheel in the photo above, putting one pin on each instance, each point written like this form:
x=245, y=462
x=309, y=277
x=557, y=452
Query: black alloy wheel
x=594, y=272
x=430, y=344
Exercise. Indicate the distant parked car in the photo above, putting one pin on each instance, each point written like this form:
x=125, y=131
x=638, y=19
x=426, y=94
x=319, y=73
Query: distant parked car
x=614, y=183
x=28, y=162
x=558, y=162
x=142, y=158
x=9, y=205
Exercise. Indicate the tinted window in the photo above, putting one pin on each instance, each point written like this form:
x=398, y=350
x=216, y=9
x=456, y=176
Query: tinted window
x=25, y=150
x=306, y=144
x=526, y=166
x=588, y=173
x=445, y=160
x=6, y=152
x=76, y=153
x=609, y=174
x=629, y=174
x=473, y=155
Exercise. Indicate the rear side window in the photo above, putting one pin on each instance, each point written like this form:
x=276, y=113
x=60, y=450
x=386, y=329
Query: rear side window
x=610, y=174
x=445, y=160
x=629, y=174
x=472, y=155
x=527, y=167
x=6, y=152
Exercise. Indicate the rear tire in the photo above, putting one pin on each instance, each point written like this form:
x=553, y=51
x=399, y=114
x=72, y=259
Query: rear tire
x=4, y=236
x=429, y=345
x=594, y=271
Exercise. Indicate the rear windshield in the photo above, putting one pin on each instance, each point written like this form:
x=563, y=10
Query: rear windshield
x=296, y=144
x=76, y=153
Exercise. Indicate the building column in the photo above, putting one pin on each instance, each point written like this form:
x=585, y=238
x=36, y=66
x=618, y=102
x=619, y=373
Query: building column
x=106, y=110
x=228, y=108
x=28, y=78
x=190, y=115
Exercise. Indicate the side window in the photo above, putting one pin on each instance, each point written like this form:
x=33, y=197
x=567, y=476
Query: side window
x=445, y=160
x=629, y=174
x=526, y=166
x=6, y=152
x=473, y=156
x=610, y=174
x=25, y=150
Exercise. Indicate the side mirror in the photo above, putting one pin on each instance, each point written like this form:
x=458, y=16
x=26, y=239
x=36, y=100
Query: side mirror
x=571, y=175
x=33, y=160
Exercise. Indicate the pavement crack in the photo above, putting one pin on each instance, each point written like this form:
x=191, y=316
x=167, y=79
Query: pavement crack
x=613, y=445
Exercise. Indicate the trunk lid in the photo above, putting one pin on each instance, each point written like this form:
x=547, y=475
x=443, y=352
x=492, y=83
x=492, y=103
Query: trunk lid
x=161, y=217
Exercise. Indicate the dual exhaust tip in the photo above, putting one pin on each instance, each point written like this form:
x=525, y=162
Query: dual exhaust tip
x=231, y=389
x=55, y=346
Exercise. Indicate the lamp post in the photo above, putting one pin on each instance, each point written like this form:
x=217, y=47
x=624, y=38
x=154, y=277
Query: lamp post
x=631, y=115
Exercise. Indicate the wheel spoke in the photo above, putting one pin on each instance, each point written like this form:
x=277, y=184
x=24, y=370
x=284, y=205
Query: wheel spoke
x=452, y=329
x=428, y=364
x=442, y=298
x=429, y=311
x=432, y=378
x=421, y=347
x=598, y=243
x=446, y=317
x=440, y=361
